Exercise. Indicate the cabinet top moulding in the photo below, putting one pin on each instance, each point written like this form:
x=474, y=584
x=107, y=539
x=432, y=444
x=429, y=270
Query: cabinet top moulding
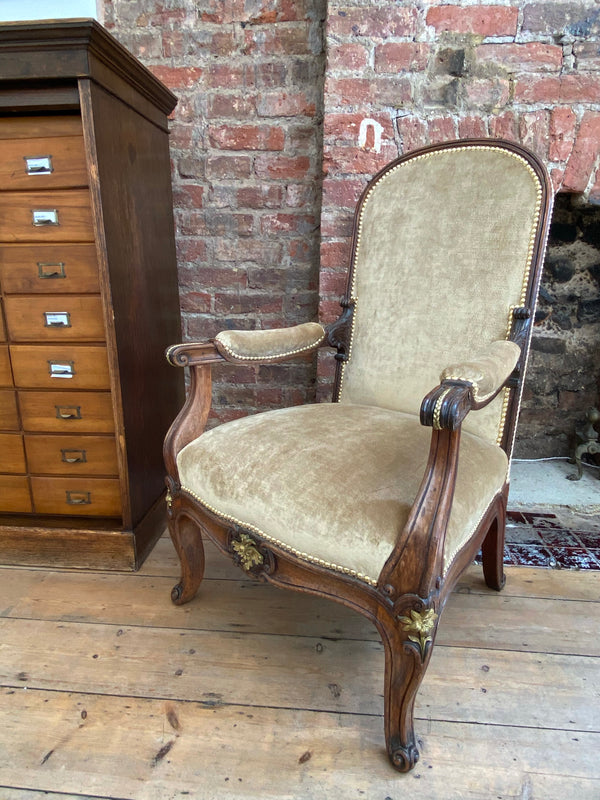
x=69, y=50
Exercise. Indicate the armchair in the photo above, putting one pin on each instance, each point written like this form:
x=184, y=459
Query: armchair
x=382, y=498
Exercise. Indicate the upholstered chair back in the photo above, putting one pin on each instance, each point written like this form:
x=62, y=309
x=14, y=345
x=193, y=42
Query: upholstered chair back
x=442, y=253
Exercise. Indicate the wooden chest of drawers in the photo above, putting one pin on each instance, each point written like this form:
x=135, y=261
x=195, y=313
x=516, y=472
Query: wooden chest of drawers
x=88, y=298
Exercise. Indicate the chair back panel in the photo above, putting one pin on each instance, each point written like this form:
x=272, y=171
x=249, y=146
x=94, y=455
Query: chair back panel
x=443, y=250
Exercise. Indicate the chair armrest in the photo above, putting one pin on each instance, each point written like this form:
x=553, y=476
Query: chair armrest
x=488, y=372
x=268, y=346
x=469, y=386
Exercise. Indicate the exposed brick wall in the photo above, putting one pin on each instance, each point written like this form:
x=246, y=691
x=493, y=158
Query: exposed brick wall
x=428, y=72
x=248, y=157
x=246, y=153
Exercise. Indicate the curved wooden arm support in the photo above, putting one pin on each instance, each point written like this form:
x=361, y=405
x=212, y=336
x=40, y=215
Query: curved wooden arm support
x=416, y=563
x=338, y=332
x=191, y=420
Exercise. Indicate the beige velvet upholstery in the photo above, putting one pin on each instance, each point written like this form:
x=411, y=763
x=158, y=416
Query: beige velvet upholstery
x=422, y=262
x=269, y=345
x=266, y=472
x=488, y=371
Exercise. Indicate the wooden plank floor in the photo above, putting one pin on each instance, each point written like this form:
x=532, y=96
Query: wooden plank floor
x=109, y=691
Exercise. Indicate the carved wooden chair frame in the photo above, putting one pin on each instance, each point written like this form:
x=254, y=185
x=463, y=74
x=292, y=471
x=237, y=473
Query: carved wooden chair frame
x=410, y=594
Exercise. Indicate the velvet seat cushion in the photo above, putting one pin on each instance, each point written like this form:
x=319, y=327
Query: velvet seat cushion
x=333, y=483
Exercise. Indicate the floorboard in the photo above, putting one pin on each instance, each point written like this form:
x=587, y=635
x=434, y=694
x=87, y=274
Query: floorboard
x=109, y=691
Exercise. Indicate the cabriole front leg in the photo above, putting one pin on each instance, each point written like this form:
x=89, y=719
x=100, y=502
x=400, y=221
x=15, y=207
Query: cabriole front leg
x=187, y=540
x=408, y=642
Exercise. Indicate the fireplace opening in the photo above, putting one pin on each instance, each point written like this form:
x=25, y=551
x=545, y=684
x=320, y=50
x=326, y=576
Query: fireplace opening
x=563, y=379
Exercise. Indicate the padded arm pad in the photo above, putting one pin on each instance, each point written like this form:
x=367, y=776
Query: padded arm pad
x=488, y=372
x=270, y=345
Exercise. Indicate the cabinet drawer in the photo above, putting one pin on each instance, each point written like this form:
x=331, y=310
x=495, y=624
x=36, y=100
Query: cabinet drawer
x=49, y=269
x=71, y=455
x=97, y=497
x=9, y=416
x=44, y=163
x=40, y=127
x=14, y=495
x=57, y=318
x=12, y=453
x=67, y=412
x=56, y=216
x=6, y=378
x=67, y=366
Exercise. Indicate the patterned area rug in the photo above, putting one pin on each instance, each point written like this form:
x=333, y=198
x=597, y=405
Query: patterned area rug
x=560, y=541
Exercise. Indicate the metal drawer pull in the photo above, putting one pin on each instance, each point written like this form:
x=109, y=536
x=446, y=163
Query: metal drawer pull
x=38, y=165
x=45, y=217
x=57, y=319
x=61, y=370
x=68, y=412
x=78, y=498
x=49, y=269
x=73, y=456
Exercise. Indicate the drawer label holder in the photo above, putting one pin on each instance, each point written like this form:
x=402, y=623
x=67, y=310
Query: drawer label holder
x=73, y=456
x=49, y=270
x=68, y=412
x=57, y=319
x=41, y=217
x=38, y=165
x=61, y=369
x=78, y=498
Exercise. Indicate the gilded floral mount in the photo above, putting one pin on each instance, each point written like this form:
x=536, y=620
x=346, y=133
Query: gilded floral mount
x=249, y=554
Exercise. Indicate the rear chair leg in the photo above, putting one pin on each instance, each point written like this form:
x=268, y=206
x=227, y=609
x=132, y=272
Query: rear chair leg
x=187, y=539
x=492, y=550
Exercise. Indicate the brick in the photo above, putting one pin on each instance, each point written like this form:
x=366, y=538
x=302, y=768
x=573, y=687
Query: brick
x=530, y=56
x=188, y=196
x=335, y=254
x=413, y=133
x=282, y=167
x=190, y=167
x=301, y=195
x=562, y=133
x=332, y=283
x=228, y=167
x=484, y=20
x=263, y=196
x=486, y=94
x=199, y=302
x=393, y=91
x=355, y=161
x=329, y=311
x=287, y=223
x=288, y=39
x=534, y=131
x=441, y=129
x=554, y=19
x=576, y=88
x=178, y=77
x=342, y=193
x=401, y=57
x=193, y=249
x=226, y=76
x=217, y=277
x=557, y=175
x=374, y=22
x=532, y=89
x=284, y=104
x=246, y=303
x=247, y=137
x=230, y=105
x=252, y=249
x=472, y=127
x=585, y=152
x=504, y=126
x=271, y=75
x=587, y=55
x=347, y=57
x=346, y=127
